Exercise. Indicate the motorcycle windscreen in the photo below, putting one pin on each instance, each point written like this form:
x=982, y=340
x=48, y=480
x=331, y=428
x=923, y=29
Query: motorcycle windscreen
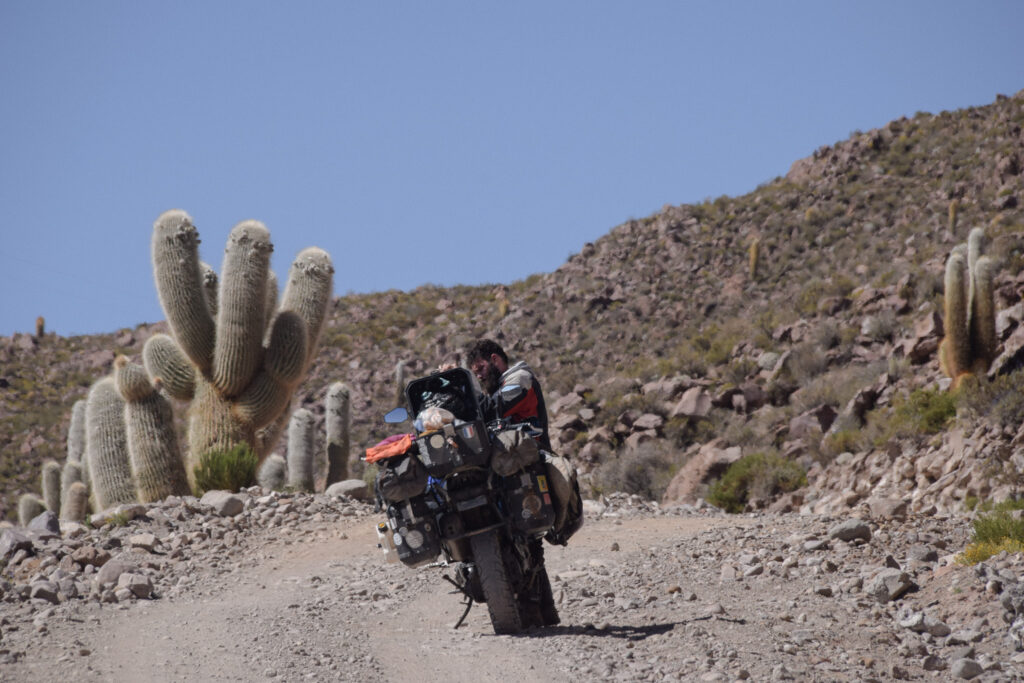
x=452, y=390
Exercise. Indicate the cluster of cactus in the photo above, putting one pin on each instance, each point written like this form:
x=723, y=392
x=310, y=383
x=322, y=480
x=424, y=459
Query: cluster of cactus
x=298, y=470
x=234, y=352
x=970, y=344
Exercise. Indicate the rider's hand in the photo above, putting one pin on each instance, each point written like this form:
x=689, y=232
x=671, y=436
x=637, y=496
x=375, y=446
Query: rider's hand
x=443, y=367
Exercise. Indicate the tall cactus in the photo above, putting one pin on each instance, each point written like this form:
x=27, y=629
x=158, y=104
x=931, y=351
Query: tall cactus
x=337, y=418
x=157, y=467
x=107, y=446
x=753, y=255
x=30, y=506
x=272, y=472
x=400, y=383
x=51, y=485
x=76, y=503
x=970, y=344
x=237, y=359
x=300, y=450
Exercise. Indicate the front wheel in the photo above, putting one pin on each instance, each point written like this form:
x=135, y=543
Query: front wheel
x=501, y=598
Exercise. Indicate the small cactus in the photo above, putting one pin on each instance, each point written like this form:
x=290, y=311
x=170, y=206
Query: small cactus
x=970, y=343
x=71, y=473
x=272, y=472
x=30, y=506
x=954, y=209
x=51, y=485
x=157, y=467
x=300, y=450
x=40, y=327
x=752, y=257
x=400, y=383
x=337, y=419
x=107, y=446
x=76, y=503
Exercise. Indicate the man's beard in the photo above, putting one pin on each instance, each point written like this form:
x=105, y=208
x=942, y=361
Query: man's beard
x=492, y=379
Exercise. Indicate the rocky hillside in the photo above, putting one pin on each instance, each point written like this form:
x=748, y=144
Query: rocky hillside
x=666, y=352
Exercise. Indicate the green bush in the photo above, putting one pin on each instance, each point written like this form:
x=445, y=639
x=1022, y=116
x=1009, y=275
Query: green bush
x=921, y=413
x=226, y=470
x=995, y=532
x=759, y=475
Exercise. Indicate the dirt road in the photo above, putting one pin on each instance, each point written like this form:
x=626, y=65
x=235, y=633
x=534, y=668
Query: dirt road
x=642, y=597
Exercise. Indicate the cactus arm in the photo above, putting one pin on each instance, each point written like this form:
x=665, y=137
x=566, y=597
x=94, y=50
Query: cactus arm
x=285, y=355
x=269, y=392
x=308, y=293
x=107, y=446
x=179, y=284
x=165, y=361
x=983, y=337
x=241, y=315
x=157, y=468
x=76, y=432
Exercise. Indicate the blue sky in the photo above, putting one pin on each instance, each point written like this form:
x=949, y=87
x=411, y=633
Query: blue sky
x=441, y=142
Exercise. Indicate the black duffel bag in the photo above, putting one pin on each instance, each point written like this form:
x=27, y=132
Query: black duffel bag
x=401, y=477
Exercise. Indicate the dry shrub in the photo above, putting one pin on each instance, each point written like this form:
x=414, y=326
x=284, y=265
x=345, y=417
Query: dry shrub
x=645, y=472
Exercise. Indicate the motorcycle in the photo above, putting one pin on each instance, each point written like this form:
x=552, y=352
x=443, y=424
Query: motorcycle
x=476, y=494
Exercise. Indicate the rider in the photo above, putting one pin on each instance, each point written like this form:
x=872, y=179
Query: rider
x=489, y=363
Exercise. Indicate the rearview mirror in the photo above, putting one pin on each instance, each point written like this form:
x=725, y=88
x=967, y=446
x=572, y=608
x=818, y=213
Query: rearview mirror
x=397, y=415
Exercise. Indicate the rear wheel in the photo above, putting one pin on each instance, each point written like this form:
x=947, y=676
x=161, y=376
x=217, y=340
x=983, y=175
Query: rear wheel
x=501, y=598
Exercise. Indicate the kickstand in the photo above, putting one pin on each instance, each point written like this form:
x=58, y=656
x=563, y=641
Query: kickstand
x=468, y=603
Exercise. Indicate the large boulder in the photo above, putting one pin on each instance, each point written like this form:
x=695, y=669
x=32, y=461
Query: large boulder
x=709, y=463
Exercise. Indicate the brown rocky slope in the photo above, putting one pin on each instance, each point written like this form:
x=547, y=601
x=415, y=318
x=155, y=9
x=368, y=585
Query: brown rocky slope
x=656, y=344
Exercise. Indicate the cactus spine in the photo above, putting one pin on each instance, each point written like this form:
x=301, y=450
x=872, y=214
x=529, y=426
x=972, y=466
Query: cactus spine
x=337, y=418
x=51, y=485
x=300, y=450
x=156, y=463
x=232, y=355
x=75, y=503
x=107, y=446
x=272, y=472
x=969, y=306
x=30, y=506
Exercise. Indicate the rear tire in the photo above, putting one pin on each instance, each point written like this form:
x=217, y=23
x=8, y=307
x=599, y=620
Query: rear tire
x=501, y=599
